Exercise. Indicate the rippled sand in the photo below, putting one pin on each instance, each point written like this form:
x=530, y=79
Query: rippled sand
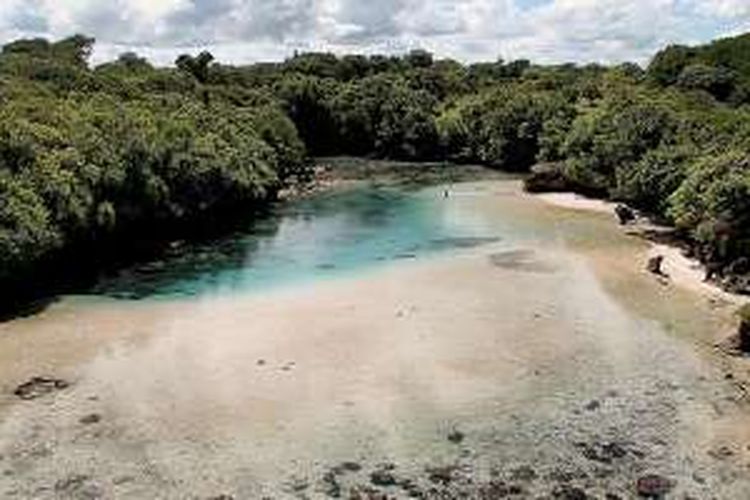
x=533, y=352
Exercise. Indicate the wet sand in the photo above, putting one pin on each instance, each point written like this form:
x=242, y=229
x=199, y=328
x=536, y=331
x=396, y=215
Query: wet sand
x=546, y=366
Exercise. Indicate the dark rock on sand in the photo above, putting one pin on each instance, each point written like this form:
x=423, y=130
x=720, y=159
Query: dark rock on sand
x=331, y=486
x=443, y=475
x=653, y=486
x=602, y=452
x=498, y=489
x=40, y=386
x=721, y=453
x=593, y=405
x=624, y=214
x=567, y=492
x=383, y=477
x=654, y=265
x=91, y=419
x=456, y=436
x=345, y=467
x=411, y=488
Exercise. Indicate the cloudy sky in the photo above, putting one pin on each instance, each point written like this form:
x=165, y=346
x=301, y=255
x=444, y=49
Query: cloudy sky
x=250, y=30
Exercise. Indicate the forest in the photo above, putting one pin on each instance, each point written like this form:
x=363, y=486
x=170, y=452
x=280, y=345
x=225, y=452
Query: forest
x=97, y=160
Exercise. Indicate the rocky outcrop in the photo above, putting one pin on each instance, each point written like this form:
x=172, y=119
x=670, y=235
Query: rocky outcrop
x=547, y=177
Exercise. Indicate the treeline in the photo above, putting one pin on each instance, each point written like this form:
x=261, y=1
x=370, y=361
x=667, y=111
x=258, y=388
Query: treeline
x=96, y=162
x=672, y=140
x=123, y=151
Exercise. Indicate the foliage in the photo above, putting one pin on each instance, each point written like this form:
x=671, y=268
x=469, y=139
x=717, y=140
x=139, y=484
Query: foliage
x=110, y=153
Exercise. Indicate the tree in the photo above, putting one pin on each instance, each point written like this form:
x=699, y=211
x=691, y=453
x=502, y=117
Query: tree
x=668, y=64
x=198, y=67
x=718, y=82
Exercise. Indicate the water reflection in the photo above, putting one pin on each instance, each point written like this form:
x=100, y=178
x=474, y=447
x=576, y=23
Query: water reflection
x=305, y=240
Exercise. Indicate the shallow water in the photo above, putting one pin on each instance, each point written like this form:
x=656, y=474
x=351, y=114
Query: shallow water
x=308, y=240
x=486, y=312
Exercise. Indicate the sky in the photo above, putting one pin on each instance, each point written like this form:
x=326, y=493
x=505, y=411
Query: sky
x=244, y=31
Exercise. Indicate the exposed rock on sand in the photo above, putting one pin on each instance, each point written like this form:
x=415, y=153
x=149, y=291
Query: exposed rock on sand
x=624, y=214
x=653, y=486
x=654, y=265
x=39, y=386
x=683, y=271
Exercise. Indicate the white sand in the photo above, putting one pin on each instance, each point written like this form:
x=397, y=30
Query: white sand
x=576, y=202
x=682, y=271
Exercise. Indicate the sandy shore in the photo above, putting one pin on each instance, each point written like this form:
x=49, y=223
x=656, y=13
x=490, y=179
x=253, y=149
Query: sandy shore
x=679, y=269
x=544, y=365
x=576, y=202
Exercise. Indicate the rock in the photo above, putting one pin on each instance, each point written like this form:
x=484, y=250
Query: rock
x=546, y=178
x=653, y=486
x=382, y=477
x=456, y=436
x=592, y=405
x=345, y=467
x=494, y=489
x=604, y=453
x=40, y=386
x=654, y=265
x=721, y=453
x=443, y=475
x=91, y=419
x=567, y=492
x=331, y=486
x=411, y=488
x=624, y=214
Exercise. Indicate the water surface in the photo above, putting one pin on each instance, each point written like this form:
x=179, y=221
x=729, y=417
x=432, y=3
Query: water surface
x=312, y=239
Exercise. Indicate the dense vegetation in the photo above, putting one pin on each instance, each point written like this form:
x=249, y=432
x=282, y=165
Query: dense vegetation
x=98, y=158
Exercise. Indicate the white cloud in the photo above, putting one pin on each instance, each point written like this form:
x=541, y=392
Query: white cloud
x=245, y=30
x=726, y=8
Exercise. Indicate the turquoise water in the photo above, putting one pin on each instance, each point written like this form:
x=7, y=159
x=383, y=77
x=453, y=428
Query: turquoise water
x=312, y=239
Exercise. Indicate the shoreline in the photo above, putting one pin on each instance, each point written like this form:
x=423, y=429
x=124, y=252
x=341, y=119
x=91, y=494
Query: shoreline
x=679, y=269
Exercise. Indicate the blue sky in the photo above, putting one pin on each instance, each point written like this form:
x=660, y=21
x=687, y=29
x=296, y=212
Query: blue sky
x=250, y=30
